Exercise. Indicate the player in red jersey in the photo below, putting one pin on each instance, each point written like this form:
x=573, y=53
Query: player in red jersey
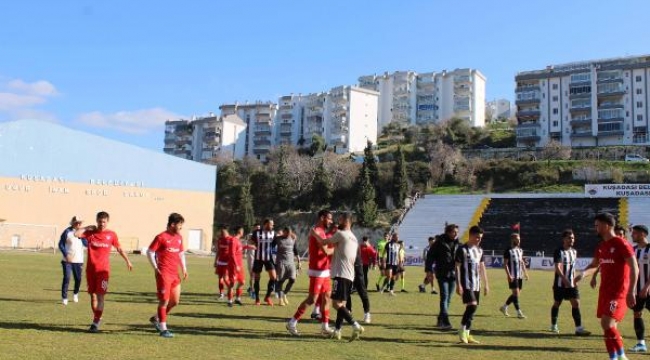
x=236, y=268
x=222, y=258
x=619, y=271
x=319, y=276
x=165, y=254
x=100, y=242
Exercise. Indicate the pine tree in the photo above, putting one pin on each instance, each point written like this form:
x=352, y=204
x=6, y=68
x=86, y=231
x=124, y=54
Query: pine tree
x=281, y=186
x=400, y=184
x=322, y=187
x=366, y=206
x=370, y=163
x=244, y=206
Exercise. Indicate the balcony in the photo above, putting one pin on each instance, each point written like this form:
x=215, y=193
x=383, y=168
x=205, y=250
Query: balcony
x=529, y=124
x=610, y=105
x=580, y=122
x=262, y=132
x=286, y=132
x=262, y=150
x=527, y=88
x=612, y=119
x=286, y=107
x=581, y=134
x=610, y=79
x=611, y=92
x=339, y=109
x=528, y=113
x=582, y=95
x=286, y=116
x=527, y=101
x=580, y=107
x=610, y=133
x=528, y=137
x=261, y=142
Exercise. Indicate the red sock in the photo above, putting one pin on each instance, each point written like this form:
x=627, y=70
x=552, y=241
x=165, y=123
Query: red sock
x=239, y=292
x=221, y=286
x=325, y=319
x=230, y=294
x=617, y=340
x=610, y=342
x=97, y=316
x=300, y=312
x=162, y=314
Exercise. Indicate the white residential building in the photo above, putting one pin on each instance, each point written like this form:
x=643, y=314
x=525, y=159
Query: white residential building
x=259, y=118
x=499, y=109
x=588, y=103
x=351, y=119
x=202, y=139
x=408, y=98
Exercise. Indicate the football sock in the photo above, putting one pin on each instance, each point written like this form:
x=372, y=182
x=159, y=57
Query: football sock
x=510, y=300
x=289, y=286
x=256, y=287
x=468, y=316
x=639, y=329
x=515, y=301
x=577, y=318
x=269, y=287
x=403, y=282
x=555, y=311
x=345, y=314
x=97, y=316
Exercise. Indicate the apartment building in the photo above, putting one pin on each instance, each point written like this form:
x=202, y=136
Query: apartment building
x=587, y=103
x=204, y=138
x=409, y=98
x=351, y=118
x=499, y=109
x=259, y=118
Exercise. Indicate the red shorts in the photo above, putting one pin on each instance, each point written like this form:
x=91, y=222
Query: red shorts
x=222, y=271
x=319, y=285
x=237, y=276
x=614, y=308
x=165, y=284
x=97, y=282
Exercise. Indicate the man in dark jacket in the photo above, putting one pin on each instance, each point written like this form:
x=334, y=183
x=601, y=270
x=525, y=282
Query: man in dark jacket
x=441, y=253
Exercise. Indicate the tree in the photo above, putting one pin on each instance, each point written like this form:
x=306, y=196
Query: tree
x=400, y=182
x=322, y=186
x=370, y=163
x=244, y=213
x=282, y=191
x=554, y=150
x=317, y=145
x=366, y=205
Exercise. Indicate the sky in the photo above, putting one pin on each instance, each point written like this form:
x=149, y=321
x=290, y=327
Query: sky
x=121, y=68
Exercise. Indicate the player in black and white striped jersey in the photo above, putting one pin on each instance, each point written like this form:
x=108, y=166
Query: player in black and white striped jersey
x=392, y=263
x=513, y=262
x=565, y=285
x=470, y=277
x=642, y=252
x=264, y=240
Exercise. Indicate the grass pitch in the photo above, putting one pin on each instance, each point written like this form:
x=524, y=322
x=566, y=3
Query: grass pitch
x=34, y=325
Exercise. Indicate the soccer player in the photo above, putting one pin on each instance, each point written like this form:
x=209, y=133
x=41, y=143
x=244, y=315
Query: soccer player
x=73, y=259
x=368, y=258
x=249, y=249
x=470, y=270
x=222, y=259
x=429, y=276
x=360, y=287
x=565, y=284
x=391, y=264
x=100, y=241
x=642, y=251
x=513, y=262
x=401, y=270
x=236, y=267
x=319, y=273
x=165, y=254
x=381, y=243
x=285, y=267
x=442, y=254
x=345, y=252
x=620, y=232
x=264, y=243
x=619, y=271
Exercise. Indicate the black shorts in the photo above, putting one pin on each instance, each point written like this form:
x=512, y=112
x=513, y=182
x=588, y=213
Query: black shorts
x=516, y=284
x=393, y=268
x=268, y=265
x=341, y=289
x=641, y=303
x=471, y=296
x=560, y=294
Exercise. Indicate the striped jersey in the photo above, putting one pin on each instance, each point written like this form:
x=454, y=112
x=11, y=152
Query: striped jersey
x=264, y=242
x=643, y=259
x=470, y=259
x=567, y=261
x=391, y=253
x=514, y=258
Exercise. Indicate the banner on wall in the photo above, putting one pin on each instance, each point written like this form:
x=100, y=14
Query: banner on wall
x=617, y=190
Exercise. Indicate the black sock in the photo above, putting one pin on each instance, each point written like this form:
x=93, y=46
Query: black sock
x=348, y=304
x=510, y=300
x=468, y=316
x=555, y=311
x=391, y=284
x=339, y=321
x=516, y=302
x=278, y=285
x=385, y=283
x=577, y=319
x=343, y=312
x=256, y=287
x=639, y=328
x=289, y=285
x=269, y=287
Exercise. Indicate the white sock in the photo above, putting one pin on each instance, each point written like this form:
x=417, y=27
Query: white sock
x=356, y=325
x=316, y=310
x=293, y=322
x=463, y=327
x=642, y=342
x=163, y=326
x=326, y=326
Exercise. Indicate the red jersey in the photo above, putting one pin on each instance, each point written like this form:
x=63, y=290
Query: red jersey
x=319, y=261
x=223, y=250
x=168, y=248
x=236, y=253
x=611, y=255
x=100, y=244
x=368, y=255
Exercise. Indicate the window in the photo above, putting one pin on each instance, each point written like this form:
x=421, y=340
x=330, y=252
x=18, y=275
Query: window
x=555, y=123
x=555, y=98
x=639, y=118
x=554, y=86
x=574, y=90
x=610, y=127
x=555, y=111
x=639, y=104
x=638, y=78
x=639, y=91
x=581, y=77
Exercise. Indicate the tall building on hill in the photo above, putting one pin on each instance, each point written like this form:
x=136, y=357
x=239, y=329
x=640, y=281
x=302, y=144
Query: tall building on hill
x=499, y=109
x=409, y=98
x=259, y=118
x=587, y=103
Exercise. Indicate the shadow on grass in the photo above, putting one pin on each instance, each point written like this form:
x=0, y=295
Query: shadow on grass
x=39, y=327
x=33, y=301
x=529, y=348
x=232, y=316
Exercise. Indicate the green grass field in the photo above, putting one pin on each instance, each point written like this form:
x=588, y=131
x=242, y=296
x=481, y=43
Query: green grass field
x=33, y=323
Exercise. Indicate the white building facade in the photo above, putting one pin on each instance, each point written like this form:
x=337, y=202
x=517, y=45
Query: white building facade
x=409, y=98
x=589, y=103
x=259, y=118
x=499, y=109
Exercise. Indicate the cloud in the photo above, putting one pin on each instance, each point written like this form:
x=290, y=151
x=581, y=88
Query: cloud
x=19, y=99
x=133, y=122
